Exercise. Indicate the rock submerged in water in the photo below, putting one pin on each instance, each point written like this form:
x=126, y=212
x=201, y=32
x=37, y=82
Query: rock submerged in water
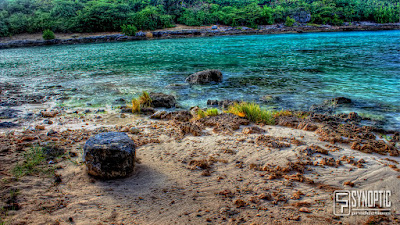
x=109, y=155
x=222, y=103
x=162, y=100
x=270, y=98
x=205, y=77
x=338, y=101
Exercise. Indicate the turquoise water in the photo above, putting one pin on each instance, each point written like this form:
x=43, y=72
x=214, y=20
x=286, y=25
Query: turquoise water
x=302, y=69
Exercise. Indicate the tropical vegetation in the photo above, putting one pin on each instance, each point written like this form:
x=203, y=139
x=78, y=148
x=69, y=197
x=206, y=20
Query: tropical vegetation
x=30, y=16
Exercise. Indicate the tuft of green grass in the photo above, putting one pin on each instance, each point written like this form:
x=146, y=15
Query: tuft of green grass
x=201, y=114
x=208, y=112
x=33, y=163
x=212, y=112
x=252, y=112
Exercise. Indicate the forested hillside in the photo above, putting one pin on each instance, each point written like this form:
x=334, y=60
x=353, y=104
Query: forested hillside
x=19, y=16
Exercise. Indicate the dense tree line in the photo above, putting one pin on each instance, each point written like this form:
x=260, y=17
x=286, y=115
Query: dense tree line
x=19, y=16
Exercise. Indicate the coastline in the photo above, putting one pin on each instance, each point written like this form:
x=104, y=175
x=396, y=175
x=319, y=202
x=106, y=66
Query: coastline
x=187, y=32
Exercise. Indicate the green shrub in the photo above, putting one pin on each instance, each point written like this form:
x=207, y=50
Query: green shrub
x=48, y=35
x=252, y=112
x=289, y=21
x=129, y=30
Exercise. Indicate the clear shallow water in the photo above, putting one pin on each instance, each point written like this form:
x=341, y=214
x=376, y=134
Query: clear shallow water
x=302, y=69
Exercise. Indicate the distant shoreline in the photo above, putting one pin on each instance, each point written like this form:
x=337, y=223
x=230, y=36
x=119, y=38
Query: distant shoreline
x=187, y=32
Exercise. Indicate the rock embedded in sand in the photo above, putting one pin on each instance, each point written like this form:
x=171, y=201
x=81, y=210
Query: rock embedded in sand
x=134, y=130
x=158, y=115
x=162, y=100
x=304, y=210
x=48, y=114
x=109, y=155
x=40, y=127
x=205, y=77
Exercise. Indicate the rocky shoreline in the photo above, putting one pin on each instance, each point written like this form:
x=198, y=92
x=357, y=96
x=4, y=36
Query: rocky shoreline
x=174, y=166
x=221, y=169
x=218, y=31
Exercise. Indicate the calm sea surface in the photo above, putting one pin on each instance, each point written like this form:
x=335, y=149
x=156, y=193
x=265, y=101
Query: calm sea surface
x=302, y=69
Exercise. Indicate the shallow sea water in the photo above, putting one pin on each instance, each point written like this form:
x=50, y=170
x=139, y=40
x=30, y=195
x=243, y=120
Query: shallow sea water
x=301, y=69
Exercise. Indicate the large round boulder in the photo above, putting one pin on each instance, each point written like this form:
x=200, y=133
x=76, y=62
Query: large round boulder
x=162, y=100
x=205, y=77
x=109, y=155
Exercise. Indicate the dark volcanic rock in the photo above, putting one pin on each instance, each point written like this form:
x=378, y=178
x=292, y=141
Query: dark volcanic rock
x=205, y=77
x=110, y=155
x=147, y=111
x=338, y=101
x=162, y=100
x=183, y=116
x=222, y=103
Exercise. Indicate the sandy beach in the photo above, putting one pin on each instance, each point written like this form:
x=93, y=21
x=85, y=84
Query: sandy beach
x=256, y=174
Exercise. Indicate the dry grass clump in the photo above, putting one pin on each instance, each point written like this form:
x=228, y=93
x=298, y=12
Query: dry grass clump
x=252, y=112
x=143, y=100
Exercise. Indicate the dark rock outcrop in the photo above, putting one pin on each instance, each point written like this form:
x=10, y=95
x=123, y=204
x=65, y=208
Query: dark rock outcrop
x=162, y=100
x=183, y=116
x=205, y=77
x=147, y=110
x=222, y=103
x=110, y=155
x=338, y=101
